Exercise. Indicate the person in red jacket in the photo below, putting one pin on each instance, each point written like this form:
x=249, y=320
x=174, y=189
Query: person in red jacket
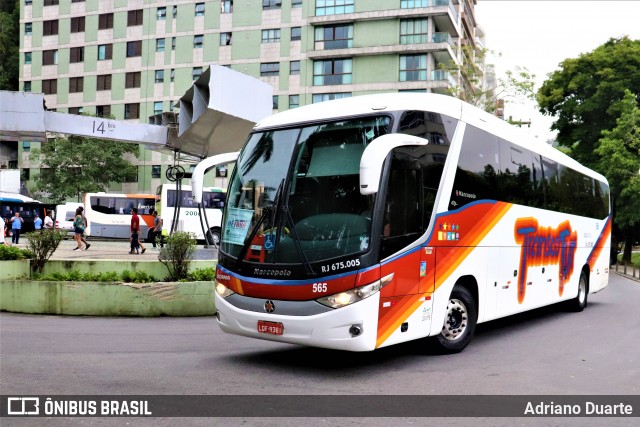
x=135, y=232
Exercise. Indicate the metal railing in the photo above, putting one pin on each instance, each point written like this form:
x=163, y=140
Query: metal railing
x=628, y=270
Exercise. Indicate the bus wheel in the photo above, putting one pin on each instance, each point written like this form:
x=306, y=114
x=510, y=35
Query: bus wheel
x=459, y=321
x=580, y=302
x=213, y=236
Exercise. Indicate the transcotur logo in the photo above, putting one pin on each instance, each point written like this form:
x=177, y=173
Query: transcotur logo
x=37, y=406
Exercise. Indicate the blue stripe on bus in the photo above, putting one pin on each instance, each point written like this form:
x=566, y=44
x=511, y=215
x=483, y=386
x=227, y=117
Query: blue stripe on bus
x=289, y=282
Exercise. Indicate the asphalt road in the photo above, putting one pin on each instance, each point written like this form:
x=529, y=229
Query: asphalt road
x=545, y=352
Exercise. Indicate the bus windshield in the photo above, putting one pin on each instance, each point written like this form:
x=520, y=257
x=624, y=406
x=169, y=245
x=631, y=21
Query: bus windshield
x=294, y=195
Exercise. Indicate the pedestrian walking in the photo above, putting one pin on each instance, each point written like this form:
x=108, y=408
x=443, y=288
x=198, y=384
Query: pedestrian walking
x=156, y=232
x=48, y=222
x=16, y=226
x=4, y=231
x=37, y=223
x=84, y=222
x=135, y=232
x=78, y=229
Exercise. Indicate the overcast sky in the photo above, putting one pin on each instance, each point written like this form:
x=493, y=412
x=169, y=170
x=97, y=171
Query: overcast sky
x=541, y=34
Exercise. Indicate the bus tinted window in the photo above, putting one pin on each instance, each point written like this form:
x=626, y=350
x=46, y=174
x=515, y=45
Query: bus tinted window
x=523, y=178
x=121, y=205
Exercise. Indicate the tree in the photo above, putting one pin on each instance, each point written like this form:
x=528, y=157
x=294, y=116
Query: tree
x=9, y=44
x=619, y=152
x=585, y=94
x=71, y=166
x=518, y=84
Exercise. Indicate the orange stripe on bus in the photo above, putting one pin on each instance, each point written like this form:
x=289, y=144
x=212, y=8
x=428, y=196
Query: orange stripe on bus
x=400, y=313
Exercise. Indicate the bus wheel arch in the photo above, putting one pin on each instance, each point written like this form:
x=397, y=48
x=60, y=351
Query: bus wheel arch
x=579, y=303
x=461, y=317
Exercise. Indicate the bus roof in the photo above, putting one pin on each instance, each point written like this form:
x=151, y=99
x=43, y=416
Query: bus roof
x=444, y=104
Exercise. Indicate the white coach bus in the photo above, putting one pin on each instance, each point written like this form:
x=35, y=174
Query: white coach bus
x=364, y=222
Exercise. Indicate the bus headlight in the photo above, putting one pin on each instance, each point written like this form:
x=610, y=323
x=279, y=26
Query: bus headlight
x=345, y=298
x=223, y=291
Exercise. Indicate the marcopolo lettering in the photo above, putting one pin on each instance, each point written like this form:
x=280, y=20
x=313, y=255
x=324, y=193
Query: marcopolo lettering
x=274, y=273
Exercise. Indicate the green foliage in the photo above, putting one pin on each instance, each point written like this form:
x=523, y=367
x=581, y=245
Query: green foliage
x=76, y=165
x=108, y=277
x=585, y=95
x=12, y=253
x=177, y=254
x=43, y=244
x=9, y=44
x=202, y=275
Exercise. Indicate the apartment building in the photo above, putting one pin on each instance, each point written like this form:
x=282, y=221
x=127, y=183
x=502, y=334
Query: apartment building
x=134, y=58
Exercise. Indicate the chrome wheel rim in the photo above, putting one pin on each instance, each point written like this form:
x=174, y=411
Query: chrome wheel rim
x=455, y=321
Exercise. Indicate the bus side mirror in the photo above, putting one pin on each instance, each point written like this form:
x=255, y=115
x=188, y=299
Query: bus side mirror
x=374, y=155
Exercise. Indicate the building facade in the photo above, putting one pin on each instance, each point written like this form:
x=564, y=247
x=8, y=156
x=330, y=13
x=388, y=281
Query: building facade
x=131, y=59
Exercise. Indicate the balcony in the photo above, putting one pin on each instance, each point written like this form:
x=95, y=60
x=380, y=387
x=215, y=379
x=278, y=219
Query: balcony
x=444, y=76
x=442, y=51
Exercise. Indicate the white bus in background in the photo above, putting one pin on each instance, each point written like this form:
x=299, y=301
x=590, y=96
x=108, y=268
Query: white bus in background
x=109, y=215
x=213, y=200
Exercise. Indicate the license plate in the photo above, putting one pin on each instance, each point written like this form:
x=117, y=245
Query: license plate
x=273, y=328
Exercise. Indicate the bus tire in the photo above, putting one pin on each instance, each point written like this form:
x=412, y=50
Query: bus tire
x=459, y=322
x=580, y=301
x=213, y=235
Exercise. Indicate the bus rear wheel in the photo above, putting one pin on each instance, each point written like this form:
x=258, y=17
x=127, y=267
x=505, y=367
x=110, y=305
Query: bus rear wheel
x=580, y=301
x=459, y=322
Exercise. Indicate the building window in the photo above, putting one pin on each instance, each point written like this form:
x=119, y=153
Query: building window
x=157, y=107
x=50, y=86
x=275, y=100
x=50, y=28
x=25, y=175
x=134, y=178
x=105, y=52
x=103, y=110
x=412, y=4
x=173, y=43
x=296, y=33
x=321, y=97
x=105, y=21
x=103, y=82
x=294, y=67
x=413, y=31
x=198, y=41
x=28, y=28
x=271, y=36
x=156, y=171
x=175, y=11
x=226, y=6
x=159, y=45
x=26, y=87
x=269, y=69
x=132, y=79
x=77, y=24
x=296, y=3
x=159, y=76
x=413, y=68
x=27, y=2
x=172, y=74
x=271, y=4
x=75, y=110
x=50, y=2
x=195, y=73
x=131, y=111
x=50, y=57
x=26, y=145
x=134, y=48
x=76, y=54
x=77, y=1
x=334, y=37
x=27, y=58
x=161, y=13
x=294, y=101
x=199, y=9
x=334, y=7
x=134, y=18
x=76, y=84
x=225, y=39
x=332, y=72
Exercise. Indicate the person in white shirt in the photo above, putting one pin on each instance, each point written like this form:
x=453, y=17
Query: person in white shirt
x=48, y=222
